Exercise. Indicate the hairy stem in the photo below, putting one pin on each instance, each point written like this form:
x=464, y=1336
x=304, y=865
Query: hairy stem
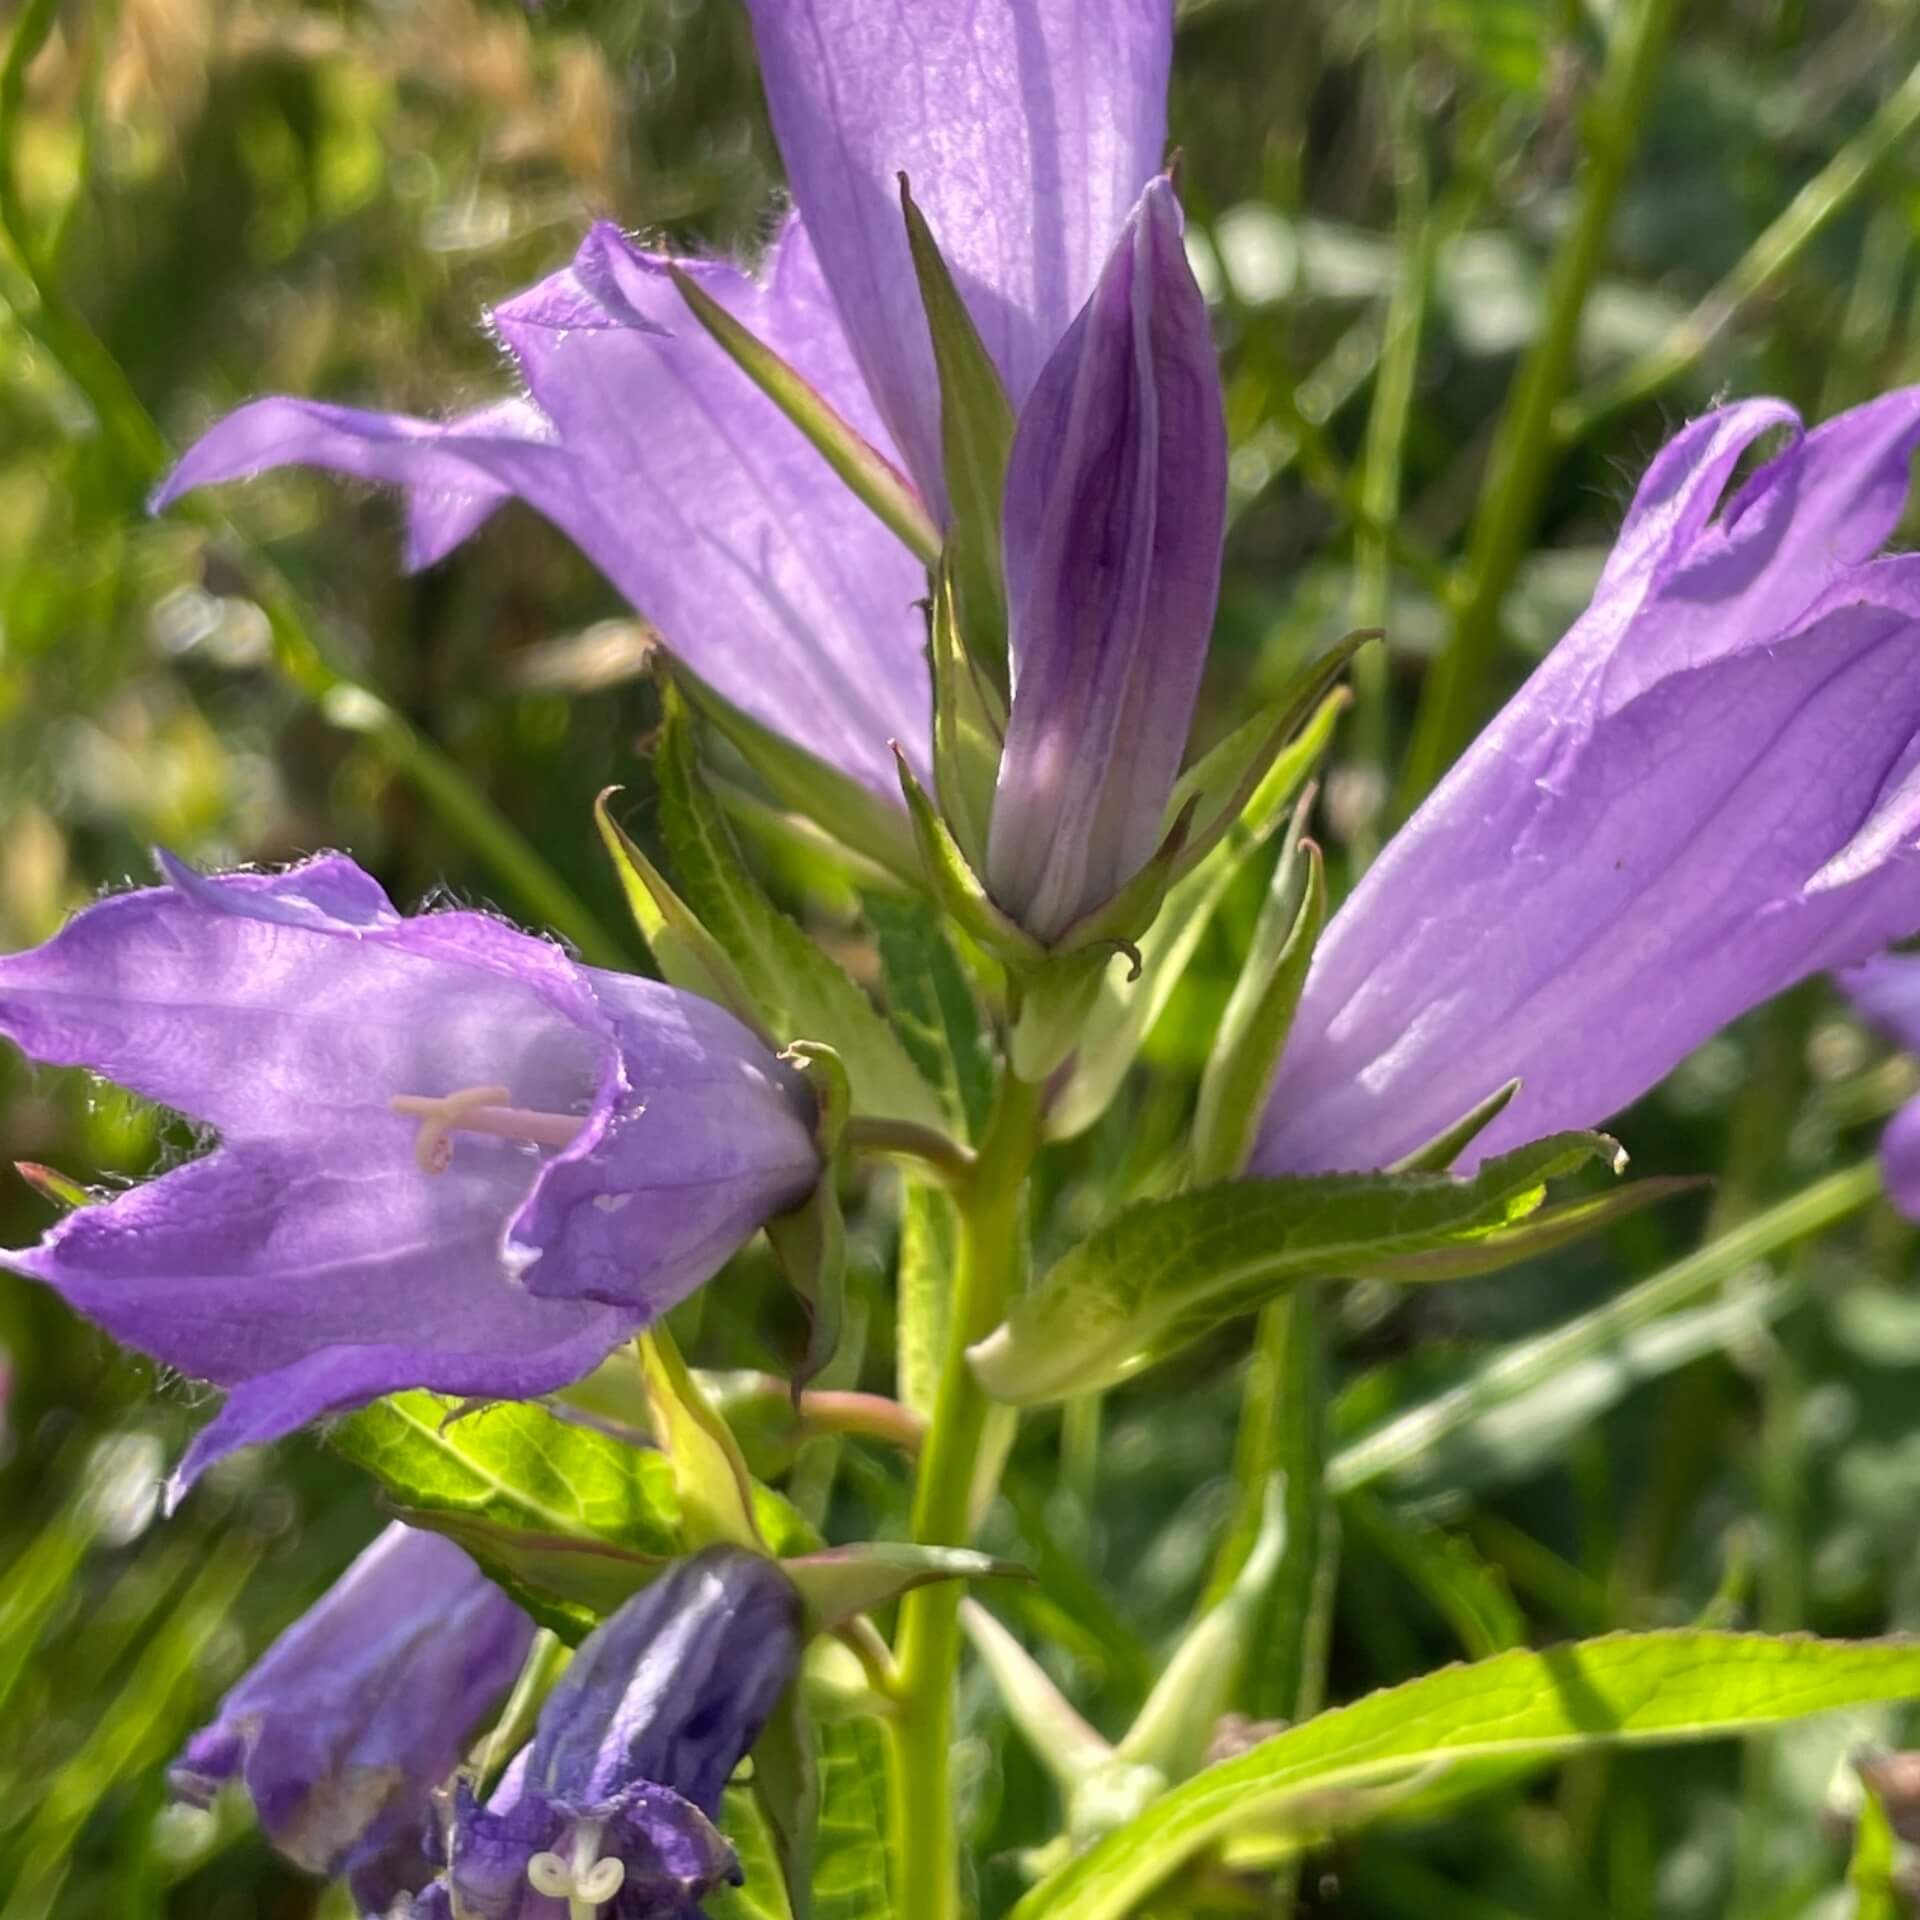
x=989, y=1254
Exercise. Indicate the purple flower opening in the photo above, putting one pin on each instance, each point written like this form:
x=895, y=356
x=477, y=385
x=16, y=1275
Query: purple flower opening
x=346, y=1725
x=449, y=1156
x=1709, y=790
x=613, y=1804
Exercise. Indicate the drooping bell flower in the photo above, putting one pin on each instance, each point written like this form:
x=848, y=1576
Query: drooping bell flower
x=1886, y=989
x=448, y=1156
x=611, y=1808
x=1709, y=790
x=1029, y=128
x=362, y=1708
x=1115, y=507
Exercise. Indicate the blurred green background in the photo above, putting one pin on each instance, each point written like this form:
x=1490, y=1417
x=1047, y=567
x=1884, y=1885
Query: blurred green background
x=1472, y=260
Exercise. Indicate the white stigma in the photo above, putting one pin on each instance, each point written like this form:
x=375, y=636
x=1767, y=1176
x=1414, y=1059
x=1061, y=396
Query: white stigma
x=583, y=1880
x=477, y=1110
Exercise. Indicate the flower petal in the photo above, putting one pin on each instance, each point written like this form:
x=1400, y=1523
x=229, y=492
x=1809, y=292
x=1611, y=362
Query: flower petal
x=711, y=1137
x=1028, y=127
x=683, y=483
x=361, y=1708
x=1115, y=509
x=1580, y=905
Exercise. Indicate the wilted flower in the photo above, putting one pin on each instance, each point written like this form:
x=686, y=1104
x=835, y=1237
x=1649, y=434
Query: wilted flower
x=1710, y=789
x=1029, y=130
x=448, y=1156
x=1115, y=505
x=612, y=1805
x=1886, y=989
x=362, y=1708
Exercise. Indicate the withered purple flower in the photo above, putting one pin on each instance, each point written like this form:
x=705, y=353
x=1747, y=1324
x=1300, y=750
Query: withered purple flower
x=611, y=1808
x=449, y=1156
x=1709, y=790
x=350, y=1720
x=1029, y=128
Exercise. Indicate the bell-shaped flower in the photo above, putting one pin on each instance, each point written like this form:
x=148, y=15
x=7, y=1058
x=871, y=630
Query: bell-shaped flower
x=1115, y=505
x=1709, y=789
x=362, y=1708
x=1886, y=989
x=448, y=1156
x=1029, y=128
x=611, y=1808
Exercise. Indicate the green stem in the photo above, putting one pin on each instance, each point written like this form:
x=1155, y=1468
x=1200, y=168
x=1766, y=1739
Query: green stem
x=1458, y=689
x=945, y=1158
x=1830, y=192
x=989, y=1254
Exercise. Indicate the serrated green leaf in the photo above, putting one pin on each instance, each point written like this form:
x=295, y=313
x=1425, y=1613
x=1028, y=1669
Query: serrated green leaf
x=850, y=1879
x=1163, y=1272
x=932, y=1006
x=568, y=1519
x=1316, y=1779
x=801, y=993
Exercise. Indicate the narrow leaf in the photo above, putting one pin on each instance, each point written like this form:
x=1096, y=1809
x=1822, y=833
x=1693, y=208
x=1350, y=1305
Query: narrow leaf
x=867, y=472
x=1163, y=1272
x=1624, y=1688
x=838, y=1582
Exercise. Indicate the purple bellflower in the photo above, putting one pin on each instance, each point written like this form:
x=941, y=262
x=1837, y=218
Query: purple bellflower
x=1886, y=990
x=1115, y=506
x=364, y=1706
x=610, y=1809
x=1029, y=128
x=449, y=1156
x=1709, y=790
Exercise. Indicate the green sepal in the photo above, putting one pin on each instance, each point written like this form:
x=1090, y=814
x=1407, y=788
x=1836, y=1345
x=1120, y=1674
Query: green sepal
x=1172, y=1731
x=810, y=1240
x=956, y=885
x=1446, y=1146
x=1163, y=1272
x=686, y=953
x=969, y=727
x=1259, y=1016
x=1053, y=1003
x=546, y=1661
x=1224, y=784
x=854, y=815
x=709, y=1470
x=976, y=438
x=1126, y=1009
x=838, y=1583
x=1121, y=919
x=50, y=1184
x=867, y=472
x=799, y=990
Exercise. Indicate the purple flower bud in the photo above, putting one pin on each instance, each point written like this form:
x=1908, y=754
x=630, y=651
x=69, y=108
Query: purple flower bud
x=361, y=1708
x=1115, y=505
x=1886, y=990
x=612, y=1805
x=1709, y=790
x=449, y=1156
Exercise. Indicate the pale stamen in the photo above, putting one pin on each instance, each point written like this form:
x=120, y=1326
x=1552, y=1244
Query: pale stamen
x=477, y=1110
x=585, y=1881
